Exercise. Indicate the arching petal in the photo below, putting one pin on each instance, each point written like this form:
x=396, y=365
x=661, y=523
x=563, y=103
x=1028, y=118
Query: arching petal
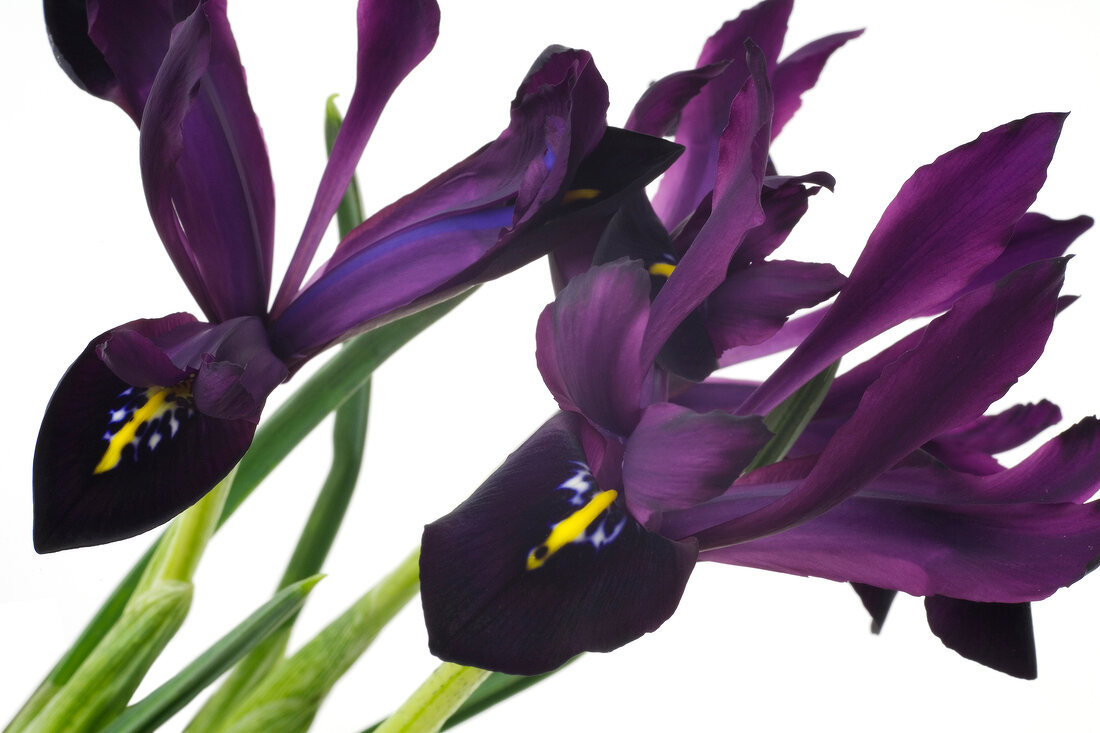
x=950, y=219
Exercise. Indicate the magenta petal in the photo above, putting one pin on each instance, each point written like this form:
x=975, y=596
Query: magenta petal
x=394, y=37
x=589, y=341
x=752, y=304
x=677, y=457
x=205, y=168
x=705, y=117
x=798, y=73
x=950, y=219
x=967, y=359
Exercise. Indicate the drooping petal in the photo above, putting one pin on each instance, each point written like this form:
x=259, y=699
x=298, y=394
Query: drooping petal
x=112, y=48
x=998, y=635
x=754, y=303
x=1006, y=553
x=741, y=161
x=589, y=341
x=877, y=601
x=542, y=563
x=967, y=359
x=205, y=168
x=115, y=459
x=394, y=37
x=798, y=73
x=707, y=114
x=678, y=458
x=950, y=219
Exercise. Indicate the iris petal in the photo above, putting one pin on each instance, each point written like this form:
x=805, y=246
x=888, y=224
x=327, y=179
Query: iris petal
x=951, y=219
x=114, y=460
x=504, y=589
x=205, y=168
x=998, y=635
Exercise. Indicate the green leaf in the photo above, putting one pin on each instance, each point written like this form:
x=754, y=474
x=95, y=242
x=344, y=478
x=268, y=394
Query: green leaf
x=287, y=699
x=170, y=697
x=105, y=682
x=328, y=388
x=790, y=418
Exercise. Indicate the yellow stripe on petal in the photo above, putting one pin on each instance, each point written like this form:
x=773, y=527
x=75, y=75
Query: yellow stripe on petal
x=159, y=401
x=570, y=528
x=662, y=269
x=579, y=194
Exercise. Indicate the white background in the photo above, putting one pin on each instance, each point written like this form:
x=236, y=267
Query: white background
x=747, y=650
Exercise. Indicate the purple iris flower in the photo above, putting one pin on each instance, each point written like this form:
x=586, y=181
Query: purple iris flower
x=585, y=537
x=155, y=412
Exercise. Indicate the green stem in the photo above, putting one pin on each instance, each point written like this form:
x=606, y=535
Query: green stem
x=436, y=700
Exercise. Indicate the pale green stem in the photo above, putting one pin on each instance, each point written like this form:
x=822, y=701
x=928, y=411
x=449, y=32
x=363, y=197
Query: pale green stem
x=288, y=697
x=436, y=700
x=178, y=555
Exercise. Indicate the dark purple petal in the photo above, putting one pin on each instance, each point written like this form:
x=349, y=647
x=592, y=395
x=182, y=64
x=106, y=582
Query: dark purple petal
x=716, y=394
x=394, y=37
x=754, y=303
x=877, y=601
x=998, y=635
x=658, y=111
x=1004, y=553
x=229, y=366
x=1035, y=237
x=742, y=157
x=971, y=447
x=950, y=219
x=589, y=342
x=784, y=202
x=705, y=116
x=499, y=593
x=798, y=73
x=677, y=458
x=967, y=359
x=205, y=168
x=790, y=335
x=114, y=460
x=444, y=256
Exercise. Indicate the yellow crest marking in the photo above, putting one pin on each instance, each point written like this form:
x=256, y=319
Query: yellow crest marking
x=570, y=528
x=662, y=269
x=156, y=405
x=579, y=194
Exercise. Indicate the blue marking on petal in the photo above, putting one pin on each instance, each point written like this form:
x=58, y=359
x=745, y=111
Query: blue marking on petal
x=548, y=159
